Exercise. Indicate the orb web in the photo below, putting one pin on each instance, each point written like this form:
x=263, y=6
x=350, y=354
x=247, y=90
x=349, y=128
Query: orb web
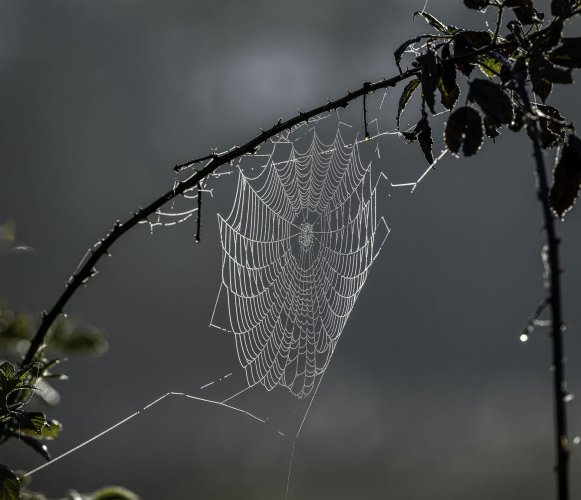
x=297, y=248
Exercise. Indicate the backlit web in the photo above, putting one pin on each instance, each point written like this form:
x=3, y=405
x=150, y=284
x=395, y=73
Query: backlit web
x=297, y=248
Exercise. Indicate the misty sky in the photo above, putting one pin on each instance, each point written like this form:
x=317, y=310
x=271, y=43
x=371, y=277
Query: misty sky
x=429, y=394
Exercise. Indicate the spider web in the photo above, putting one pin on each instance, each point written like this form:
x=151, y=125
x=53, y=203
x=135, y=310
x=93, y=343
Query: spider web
x=297, y=247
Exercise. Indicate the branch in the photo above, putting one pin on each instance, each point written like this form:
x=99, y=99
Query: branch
x=555, y=301
x=87, y=270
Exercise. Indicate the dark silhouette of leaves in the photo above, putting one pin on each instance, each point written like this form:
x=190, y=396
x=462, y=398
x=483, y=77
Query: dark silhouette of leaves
x=538, y=65
x=464, y=130
x=476, y=4
x=524, y=11
x=561, y=8
x=425, y=138
x=37, y=446
x=492, y=100
x=466, y=42
x=549, y=37
x=406, y=95
x=568, y=54
x=431, y=70
x=567, y=177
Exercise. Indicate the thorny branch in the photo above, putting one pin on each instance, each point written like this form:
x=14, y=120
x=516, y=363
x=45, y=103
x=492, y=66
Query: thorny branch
x=87, y=270
x=554, y=299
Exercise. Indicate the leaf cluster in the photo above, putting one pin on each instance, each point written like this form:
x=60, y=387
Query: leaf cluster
x=530, y=52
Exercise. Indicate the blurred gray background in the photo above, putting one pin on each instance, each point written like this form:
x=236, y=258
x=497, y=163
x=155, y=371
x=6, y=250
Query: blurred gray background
x=430, y=394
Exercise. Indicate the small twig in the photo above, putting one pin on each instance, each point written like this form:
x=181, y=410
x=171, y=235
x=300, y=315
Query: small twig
x=533, y=318
x=365, y=112
x=189, y=163
x=199, y=218
x=498, y=22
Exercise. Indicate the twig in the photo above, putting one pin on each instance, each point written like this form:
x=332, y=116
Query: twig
x=215, y=161
x=199, y=218
x=554, y=288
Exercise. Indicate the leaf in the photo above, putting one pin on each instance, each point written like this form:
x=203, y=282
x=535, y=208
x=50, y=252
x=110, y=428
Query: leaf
x=49, y=431
x=448, y=99
x=490, y=66
x=466, y=42
x=492, y=100
x=449, y=90
x=476, y=4
x=561, y=8
x=567, y=177
x=541, y=86
x=406, y=95
x=490, y=130
x=434, y=23
x=9, y=484
x=32, y=422
x=431, y=70
x=548, y=37
x=425, y=139
x=113, y=493
x=568, y=54
x=524, y=11
x=37, y=446
x=398, y=54
x=464, y=130
x=554, y=129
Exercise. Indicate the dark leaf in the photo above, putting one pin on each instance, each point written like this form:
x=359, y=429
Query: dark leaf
x=568, y=54
x=567, y=177
x=548, y=37
x=37, y=446
x=434, y=23
x=524, y=11
x=561, y=8
x=465, y=42
x=492, y=100
x=554, y=129
x=407, y=93
x=558, y=75
x=448, y=98
x=398, y=54
x=476, y=4
x=464, y=130
x=9, y=484
x=425, y=139
x=431, y=70
x=31, y=421
x=537, y=66
x=490, y=130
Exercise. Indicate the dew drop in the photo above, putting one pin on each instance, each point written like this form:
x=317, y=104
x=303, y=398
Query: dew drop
x=524, y=337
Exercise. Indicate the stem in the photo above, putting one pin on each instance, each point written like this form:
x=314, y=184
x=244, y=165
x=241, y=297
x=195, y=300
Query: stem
x=555, y=302
x=87, y=270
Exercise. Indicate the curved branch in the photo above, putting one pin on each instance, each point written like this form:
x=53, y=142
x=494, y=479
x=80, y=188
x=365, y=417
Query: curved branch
x=87, y=270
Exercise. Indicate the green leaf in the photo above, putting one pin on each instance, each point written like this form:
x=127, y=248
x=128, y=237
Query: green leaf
x=431, y=71
x=567, y=178
x=492, y=100
x=464, y=130
x=49, y=431
x=406, y=95
x=568, y=54
x=490, y=66
x=476, y=4
x=9, y=484
x=434, y=23
x=32, y=422
x=425, y=138
x=114, y=493
x=6, y=372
